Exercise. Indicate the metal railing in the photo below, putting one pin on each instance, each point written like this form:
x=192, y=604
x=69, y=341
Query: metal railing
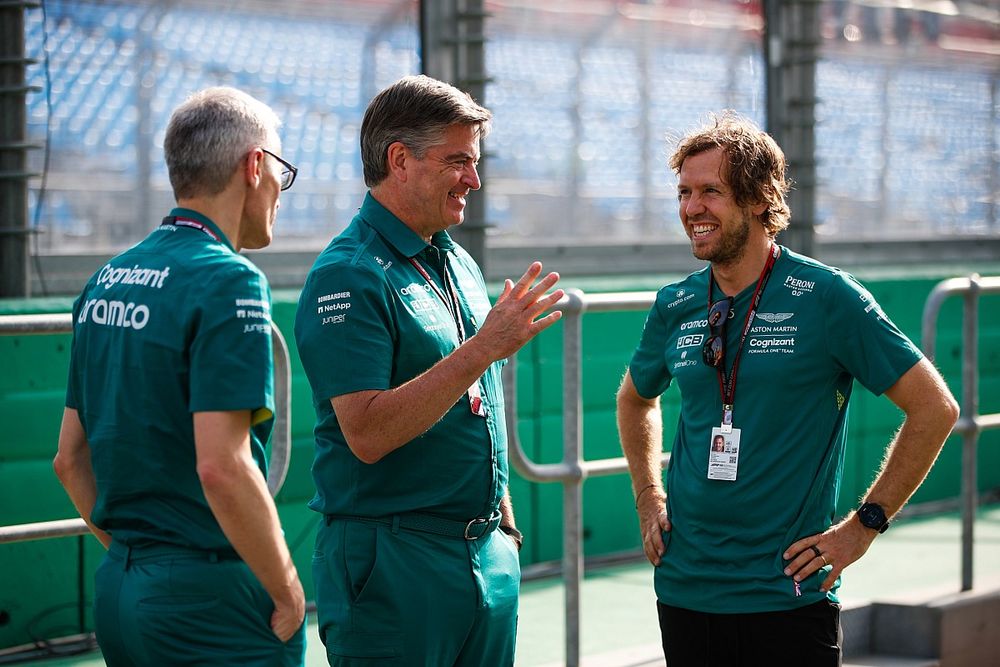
x=970, y=423
x=281, y=439
x=573, y=469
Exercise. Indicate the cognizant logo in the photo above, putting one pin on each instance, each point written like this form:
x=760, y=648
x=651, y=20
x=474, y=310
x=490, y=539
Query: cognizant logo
x=136, y=275
x=115, y=314
x=415, y=288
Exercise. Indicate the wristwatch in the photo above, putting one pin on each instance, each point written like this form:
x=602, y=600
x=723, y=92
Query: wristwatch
x=871, y=515
x=514, y=534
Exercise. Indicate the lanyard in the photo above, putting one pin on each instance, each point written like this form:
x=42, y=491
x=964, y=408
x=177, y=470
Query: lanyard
x=727, y=384
x=450, y=303
x=188, y=222
x=474, y=393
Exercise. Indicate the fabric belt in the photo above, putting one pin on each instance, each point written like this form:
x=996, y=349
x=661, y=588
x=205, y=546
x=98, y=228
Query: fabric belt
x=131, y=553
x=428, y=523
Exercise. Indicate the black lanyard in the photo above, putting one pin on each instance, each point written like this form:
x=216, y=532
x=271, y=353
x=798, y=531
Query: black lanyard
x=188, y=222
x=727, y=384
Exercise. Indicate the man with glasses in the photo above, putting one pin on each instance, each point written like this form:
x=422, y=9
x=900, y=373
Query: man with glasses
x=169, y=405
x=416, y=556
x=765, y=345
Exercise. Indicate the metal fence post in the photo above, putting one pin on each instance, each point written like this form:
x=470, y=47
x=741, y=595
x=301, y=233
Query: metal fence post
x=573, y=486
x=970, y=436
x=970, y=423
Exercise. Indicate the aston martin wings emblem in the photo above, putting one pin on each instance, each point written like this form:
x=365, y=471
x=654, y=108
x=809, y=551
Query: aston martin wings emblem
x=774, y=318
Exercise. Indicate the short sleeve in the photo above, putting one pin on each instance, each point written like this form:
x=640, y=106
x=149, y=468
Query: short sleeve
x=863, y=339
x=648, y=368
x=231, y=356
x=344, y=332
x=71, y=399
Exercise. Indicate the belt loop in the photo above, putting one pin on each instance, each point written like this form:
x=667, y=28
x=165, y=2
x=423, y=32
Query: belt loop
x=328, y=518
x=395, y=524
x=128, y=556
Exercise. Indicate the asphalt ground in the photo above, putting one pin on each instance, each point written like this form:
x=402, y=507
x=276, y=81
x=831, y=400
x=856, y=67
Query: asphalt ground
x=918, y=559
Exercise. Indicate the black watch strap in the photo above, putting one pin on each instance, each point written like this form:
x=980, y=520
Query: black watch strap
x=514, y=534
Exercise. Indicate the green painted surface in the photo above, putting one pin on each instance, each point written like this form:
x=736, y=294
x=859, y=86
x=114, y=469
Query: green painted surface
x=45, y=585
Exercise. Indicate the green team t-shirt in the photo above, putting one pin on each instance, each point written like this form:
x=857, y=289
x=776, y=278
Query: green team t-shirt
x=368, y=319
x=175, y=325
x=816, y=330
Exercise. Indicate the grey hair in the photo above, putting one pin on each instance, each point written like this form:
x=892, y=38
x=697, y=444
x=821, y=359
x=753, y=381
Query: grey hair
x=208, y=135
x=416, y=111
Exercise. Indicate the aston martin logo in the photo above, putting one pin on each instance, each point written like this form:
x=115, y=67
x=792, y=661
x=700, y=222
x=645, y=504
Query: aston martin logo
x=774, y=318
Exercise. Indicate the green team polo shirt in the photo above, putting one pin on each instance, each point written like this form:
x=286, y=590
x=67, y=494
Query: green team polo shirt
x=368, y=319
x=177, y=324
x=816, y=330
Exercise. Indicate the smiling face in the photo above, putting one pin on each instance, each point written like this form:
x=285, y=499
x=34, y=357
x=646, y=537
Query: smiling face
x=438, y=183
x=719, y=229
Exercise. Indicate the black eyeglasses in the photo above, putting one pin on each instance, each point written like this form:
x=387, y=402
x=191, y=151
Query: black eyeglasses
x=288, y=173
x=714, y=350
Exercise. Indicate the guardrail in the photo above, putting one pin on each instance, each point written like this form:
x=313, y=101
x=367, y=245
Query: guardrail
x=281, y=440
x=573, y=469
x=970, y=422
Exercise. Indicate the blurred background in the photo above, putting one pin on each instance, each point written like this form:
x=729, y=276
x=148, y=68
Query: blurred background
x=889, y=113
x=888, y=109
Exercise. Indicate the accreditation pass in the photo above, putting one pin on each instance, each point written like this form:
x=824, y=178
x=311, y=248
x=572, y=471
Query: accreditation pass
x=724, y=454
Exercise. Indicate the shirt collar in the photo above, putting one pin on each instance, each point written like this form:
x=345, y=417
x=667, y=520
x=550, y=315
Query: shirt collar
x=198, y=217
x=395, y=231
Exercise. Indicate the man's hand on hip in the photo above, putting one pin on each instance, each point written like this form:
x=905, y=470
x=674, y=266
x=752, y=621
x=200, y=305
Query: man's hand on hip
x=837, y=547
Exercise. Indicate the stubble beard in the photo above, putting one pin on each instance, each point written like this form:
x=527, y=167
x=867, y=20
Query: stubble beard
x=731, y=248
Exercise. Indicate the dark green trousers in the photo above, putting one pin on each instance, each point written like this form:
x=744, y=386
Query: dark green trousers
x=403, y=597
x=166, y=605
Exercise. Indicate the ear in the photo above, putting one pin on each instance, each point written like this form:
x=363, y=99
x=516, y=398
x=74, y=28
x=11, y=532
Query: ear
x=758, y=209
x=398, y=159
x=253, y=168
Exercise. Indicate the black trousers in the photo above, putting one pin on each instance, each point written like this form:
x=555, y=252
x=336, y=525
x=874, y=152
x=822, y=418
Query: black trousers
x=809, y=636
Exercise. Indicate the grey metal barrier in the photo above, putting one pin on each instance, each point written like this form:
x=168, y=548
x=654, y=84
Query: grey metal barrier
x=970, y=423
x=573, y=469
x=281, y=439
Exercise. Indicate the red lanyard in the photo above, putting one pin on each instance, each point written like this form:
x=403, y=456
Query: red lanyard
x=188, y=222
x=727, y=385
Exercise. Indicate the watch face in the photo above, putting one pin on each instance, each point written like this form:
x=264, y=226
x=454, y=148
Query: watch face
x=871, y=516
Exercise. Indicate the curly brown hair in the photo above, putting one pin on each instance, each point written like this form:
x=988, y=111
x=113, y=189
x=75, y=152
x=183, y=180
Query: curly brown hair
x=754, y=167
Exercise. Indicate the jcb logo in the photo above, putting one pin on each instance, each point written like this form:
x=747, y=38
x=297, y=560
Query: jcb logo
x=691, y=340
